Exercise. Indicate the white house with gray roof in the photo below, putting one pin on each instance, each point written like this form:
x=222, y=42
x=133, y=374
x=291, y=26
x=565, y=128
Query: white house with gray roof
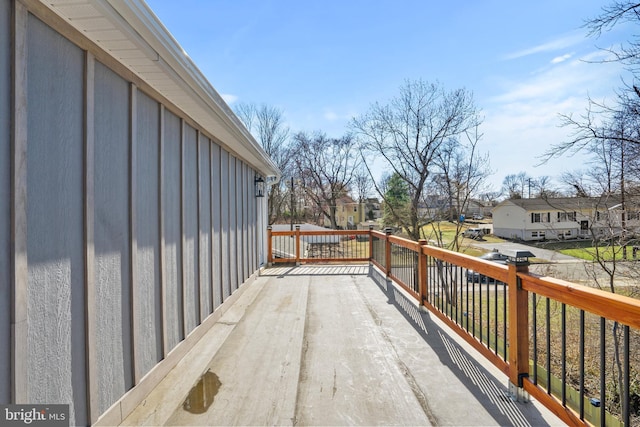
x=564, y=218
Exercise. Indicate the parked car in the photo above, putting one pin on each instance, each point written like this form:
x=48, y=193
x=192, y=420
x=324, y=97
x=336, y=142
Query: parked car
x=493, y=256
x=478, y=217
x=473, y=233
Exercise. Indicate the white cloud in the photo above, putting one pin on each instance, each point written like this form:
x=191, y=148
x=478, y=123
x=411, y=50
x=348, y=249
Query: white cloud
x=559, y=59
x=330, y=115
x=229, y=98
x=566, y=78
x=560, y=43
x=523, y=122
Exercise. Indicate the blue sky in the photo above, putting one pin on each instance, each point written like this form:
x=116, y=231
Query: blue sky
x=323, y=62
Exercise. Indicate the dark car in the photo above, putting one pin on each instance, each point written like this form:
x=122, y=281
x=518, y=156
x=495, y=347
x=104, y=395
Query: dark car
x=493, y=256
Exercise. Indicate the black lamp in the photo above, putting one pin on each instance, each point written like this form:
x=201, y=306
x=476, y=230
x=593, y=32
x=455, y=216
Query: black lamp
x=259, y=184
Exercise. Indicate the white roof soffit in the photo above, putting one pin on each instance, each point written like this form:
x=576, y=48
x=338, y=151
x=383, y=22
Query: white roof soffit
x=131, y=33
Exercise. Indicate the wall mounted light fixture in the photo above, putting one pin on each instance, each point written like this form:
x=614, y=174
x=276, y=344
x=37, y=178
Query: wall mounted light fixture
x=259, y=184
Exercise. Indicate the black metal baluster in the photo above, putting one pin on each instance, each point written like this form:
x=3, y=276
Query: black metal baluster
x=548, y=361
x=535, y=339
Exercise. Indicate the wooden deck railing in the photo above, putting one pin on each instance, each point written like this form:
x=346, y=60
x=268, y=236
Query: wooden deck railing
x=575, y=349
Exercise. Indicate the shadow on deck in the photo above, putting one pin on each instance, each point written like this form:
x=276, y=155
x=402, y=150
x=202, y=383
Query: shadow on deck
x=332, y=345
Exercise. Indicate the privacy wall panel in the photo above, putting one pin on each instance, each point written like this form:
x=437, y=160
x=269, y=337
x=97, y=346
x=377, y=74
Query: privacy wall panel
x=190, y=218
x=224, y=225
x=172, y=204
x=5, y=199
x=147, y=302
x=233, y=224
x=216, y=203
x=55, y=240
x=240, y=221
x=204, y=168
x=112, y=236
x=250, y=189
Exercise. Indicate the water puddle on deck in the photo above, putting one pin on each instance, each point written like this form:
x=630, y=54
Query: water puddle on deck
x=202, y=394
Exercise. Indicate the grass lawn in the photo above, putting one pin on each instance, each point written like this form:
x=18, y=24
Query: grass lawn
x=449, y=229
x=608, y=253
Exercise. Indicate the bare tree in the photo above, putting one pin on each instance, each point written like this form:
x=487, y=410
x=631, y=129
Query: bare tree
x=543, y=187
x=616, y=13
x=578, y=182
x=513, y=185
x=408, y=132
x=267, y=125
x=462, y=170
x=326, y=168
x=362, y=183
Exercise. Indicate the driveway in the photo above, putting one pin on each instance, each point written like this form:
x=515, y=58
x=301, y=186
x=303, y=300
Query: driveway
x=543, y=254
x=551, y=263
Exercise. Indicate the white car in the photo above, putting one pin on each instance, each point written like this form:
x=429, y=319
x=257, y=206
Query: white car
x=473, y=233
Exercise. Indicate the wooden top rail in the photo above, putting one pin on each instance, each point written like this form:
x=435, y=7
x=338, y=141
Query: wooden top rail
x=497, y=271
x=378, y=234
x=333, y=232
x=619, y=308
x=409, y=244
x=322, y=233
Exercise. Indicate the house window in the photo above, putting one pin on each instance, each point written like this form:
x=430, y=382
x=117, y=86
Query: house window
x=633, y=215
x=566, y=216
x=355, y=208
x=534, y=234
x=540, y=217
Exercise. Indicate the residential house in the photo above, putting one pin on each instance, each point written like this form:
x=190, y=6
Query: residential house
x=350, y=213
x=564, y=218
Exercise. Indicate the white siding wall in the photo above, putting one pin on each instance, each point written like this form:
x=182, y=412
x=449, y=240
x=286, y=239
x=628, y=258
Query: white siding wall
x=509, y=221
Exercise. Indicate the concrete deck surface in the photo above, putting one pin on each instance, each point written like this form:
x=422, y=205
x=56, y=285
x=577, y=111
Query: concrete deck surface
x=332, y=346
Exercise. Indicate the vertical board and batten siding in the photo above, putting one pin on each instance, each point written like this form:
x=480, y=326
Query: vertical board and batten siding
x=204, y=235
x=147, y=305
x=190, y=230
x=224, y=224
x=172, y=229
x=112, y=236
x=216, y=216
x=55, y=238
x=240, y=217
x=233, y=218
x=5, y=202
x=138, y=225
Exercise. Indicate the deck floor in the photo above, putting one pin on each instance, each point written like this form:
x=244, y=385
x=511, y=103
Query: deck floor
x=332, y=345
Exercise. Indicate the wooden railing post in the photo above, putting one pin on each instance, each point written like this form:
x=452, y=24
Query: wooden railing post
x=370, y=242
x=518, y=323
x=297, y=245
x=387, y=251
x=269, y=246
x=422, y=272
